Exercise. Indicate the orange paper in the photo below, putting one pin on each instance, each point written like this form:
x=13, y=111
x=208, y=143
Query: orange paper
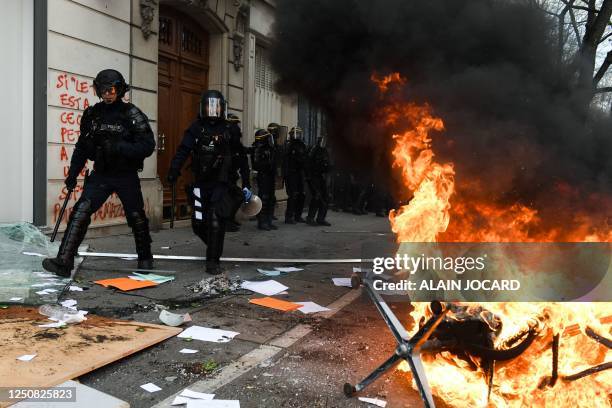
x=125, y=283
x=276, y=304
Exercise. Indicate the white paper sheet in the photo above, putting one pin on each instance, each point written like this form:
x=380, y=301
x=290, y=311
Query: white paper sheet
x=150, y=387
x=15, y=299
x=288, y=269
x=207, y=334
x=71, y=303
x=178, y=400
x=342, y=282
x=213, y=404
x=311, y=307
x=268, y=273
x=188, y=351
x=198, y=215
x=268, y=288
x=374, y=401
x=196, y=395
x=26, y=357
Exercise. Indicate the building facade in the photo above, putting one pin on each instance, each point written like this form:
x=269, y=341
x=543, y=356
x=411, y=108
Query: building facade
x=169, y=51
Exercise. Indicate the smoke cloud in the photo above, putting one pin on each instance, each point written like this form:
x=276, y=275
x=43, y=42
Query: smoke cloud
x=515, y=123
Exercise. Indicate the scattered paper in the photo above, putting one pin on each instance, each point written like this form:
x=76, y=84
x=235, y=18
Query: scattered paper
x=26, y=357
x=40, y=285
x=277, y=304
x=178, y=400
x=71, y=303
x=151, y=277
x=374, y=401
x=268, y=288
x=288, y=269
x=207, y=334
x=15, y=299
x=53, y=325
x=342, y=282
x=198, y=215
x=311, y=307
x=188, y=351
x=75, y=288
x=125, y=284
x=213, y=404
x=268, y=273
x=150, y=387
x=45, y=291
x=196, y=395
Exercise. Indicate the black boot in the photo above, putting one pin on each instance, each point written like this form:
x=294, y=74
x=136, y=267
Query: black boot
x=75, y=232
x=213, y=268
x=214, y=246
x=270, y=225
x=140, y=227
x=311, y=222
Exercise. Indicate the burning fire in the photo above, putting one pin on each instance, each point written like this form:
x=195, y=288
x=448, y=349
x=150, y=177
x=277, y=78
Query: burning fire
x=435, y=212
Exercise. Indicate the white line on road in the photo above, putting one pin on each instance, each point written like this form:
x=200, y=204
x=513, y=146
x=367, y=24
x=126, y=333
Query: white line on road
x=262, y=353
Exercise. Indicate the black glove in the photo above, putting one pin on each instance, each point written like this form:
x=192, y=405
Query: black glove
x=71, y=181
x=172, y=176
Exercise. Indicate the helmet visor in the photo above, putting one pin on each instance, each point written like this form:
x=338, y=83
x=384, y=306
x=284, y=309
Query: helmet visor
x=213, y=108
x=106, y=88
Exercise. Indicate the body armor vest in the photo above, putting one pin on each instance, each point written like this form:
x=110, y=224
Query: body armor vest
x=212, y=156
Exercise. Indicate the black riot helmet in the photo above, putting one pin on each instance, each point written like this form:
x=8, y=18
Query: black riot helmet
x=295, y=133
x=233, y=118
x=212, y=105
x=274, y=128
x=263, y=135
x=109, y=79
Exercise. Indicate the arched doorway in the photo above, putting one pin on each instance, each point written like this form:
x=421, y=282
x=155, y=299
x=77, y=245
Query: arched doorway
x=182, y=75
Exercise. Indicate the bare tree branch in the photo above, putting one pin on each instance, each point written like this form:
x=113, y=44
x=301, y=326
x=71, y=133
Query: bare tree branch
x=602, y=70
x=605, y=37
x=574, y=25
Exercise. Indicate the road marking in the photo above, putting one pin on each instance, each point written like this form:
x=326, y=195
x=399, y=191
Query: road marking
x=262, y=353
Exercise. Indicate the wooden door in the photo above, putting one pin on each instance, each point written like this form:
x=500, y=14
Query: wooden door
x=183, y=75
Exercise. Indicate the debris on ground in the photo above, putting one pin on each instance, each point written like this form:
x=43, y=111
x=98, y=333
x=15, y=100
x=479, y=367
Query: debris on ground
x=276, y=304
x=173, y=319
x=216, y=285
x=208, y=334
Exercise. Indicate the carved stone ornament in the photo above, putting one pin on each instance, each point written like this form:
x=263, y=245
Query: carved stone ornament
x=147, y=12
x=242, y=18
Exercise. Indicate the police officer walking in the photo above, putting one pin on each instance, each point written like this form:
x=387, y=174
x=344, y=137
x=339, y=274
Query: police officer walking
x=263, y=159
x=316, y=175
x=117, y=137
x=294, y=160
x=274, y=129
x=214, y=195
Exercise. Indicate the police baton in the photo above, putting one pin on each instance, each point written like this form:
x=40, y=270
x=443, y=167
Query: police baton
x=172, y=204
x=61, y=214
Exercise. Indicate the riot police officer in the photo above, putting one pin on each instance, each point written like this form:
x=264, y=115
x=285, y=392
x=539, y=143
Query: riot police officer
x=214, y=195
x=294, y=160
x=274, y=129
x=316, y=176
x=240, y=166
x=117, y=137
x=264, y=162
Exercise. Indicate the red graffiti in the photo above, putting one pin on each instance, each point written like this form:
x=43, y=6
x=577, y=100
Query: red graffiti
x=63, y=154
x=75, y=102
x=71, y=118
x=63, y=81
x=69, y=135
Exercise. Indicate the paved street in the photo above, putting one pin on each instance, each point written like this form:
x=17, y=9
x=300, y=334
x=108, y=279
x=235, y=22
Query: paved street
x=279, y=359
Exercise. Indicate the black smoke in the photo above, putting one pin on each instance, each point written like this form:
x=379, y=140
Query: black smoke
x=515, y=121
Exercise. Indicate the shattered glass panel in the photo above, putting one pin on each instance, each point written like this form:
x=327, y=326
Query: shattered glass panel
x=22, y=249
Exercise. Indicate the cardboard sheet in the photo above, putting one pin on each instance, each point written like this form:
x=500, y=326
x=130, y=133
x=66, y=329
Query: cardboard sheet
x=277, y=304
x=63, y=354
x=125, y=284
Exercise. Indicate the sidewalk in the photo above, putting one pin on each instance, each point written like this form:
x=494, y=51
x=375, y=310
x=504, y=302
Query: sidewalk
x=265, y=334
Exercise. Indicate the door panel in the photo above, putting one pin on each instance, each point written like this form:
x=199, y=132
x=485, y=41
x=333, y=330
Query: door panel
x=183, y=75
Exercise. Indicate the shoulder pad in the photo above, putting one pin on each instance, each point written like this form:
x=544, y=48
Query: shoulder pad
x=136, y=117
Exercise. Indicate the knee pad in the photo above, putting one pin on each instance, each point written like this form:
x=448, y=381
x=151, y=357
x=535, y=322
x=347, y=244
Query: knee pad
x=81, y=211
x=137, y=219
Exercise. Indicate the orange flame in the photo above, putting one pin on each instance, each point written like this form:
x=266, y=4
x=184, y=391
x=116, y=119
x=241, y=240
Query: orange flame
x=427, y=218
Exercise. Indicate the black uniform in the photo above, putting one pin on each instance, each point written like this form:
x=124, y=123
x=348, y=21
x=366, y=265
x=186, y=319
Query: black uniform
x=294, y=160
x=264, y=161
x=117, y=137
x=316, y=176
x=240, y=170
x=214, y=193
